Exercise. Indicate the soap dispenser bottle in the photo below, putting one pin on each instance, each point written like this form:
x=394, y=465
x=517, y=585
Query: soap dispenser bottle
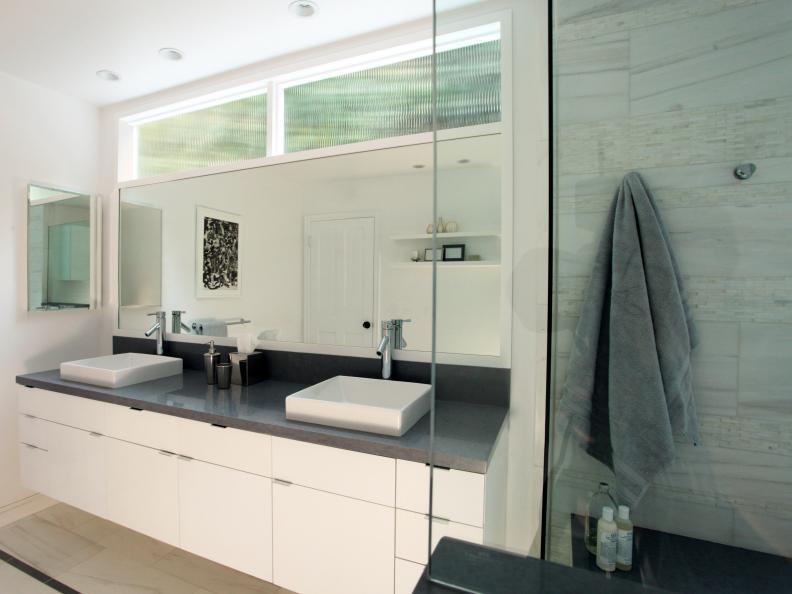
x=211, y=359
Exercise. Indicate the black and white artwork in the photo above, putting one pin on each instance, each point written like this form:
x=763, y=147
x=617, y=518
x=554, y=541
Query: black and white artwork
x=217, y=253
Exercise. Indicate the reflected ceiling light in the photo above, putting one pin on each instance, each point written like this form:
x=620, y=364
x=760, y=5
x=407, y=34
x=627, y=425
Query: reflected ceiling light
x=108, y=75
x=171, y=53
x=303, y=8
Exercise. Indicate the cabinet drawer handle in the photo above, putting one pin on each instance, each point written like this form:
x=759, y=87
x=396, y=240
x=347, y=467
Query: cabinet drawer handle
x=282, y=482
x=32, y=447
x=186, y=458
x=136, y=409
x=441, y=520
x=29, y=416
x=218, y=426
x=94, y=434
x=165, y=453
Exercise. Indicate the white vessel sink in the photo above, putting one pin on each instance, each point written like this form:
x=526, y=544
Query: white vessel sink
x=377, y=406
x=117, y=371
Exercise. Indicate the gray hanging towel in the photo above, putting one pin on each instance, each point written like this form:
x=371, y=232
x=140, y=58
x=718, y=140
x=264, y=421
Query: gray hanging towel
x=628, y=390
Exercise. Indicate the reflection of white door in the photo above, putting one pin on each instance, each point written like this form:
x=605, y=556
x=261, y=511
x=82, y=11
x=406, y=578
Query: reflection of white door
x=340, y=281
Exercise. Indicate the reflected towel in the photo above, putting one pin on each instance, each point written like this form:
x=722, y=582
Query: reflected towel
x=628, y=390
x=210, y=327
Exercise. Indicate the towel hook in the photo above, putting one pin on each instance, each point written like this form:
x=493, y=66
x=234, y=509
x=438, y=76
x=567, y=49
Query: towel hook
x=744, y=171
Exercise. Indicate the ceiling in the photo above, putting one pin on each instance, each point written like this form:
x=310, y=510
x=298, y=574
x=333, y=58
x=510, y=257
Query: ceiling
x=61, y=44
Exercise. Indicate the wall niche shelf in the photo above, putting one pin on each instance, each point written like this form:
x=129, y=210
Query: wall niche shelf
x=457, y=235
x=440, y=263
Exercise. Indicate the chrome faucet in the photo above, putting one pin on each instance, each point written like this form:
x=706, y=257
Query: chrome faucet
x=391, y=339
x=176, y=322
x=159, y=328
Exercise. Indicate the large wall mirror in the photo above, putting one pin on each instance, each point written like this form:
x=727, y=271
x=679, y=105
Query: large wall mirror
x=320, y=251
x=61, y=245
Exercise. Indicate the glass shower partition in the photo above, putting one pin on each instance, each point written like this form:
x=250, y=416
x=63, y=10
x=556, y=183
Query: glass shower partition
x=490, y=292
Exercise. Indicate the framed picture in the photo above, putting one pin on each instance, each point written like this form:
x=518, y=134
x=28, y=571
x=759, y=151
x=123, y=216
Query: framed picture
x=454, y=253
x=217, y=262
x=431, y=255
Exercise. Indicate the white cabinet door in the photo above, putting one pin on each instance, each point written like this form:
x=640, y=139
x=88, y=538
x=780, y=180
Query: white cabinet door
x=142, y=490
x=34, y=468
x=331, y=544
x=407, y=576
x=78, y=468
x=226, y=515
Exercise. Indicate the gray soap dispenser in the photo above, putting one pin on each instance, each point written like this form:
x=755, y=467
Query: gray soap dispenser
x=211, y=359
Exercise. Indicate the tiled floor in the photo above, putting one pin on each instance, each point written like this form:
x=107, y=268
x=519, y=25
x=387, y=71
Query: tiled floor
x=95, y=556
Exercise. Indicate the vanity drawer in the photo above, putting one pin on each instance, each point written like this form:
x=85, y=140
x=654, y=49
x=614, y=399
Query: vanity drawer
x=33, y=431
x=353, y=474
x=225, y=446
x=458, y=495
x=412, y=534
x=82, y=413
x=143, y=427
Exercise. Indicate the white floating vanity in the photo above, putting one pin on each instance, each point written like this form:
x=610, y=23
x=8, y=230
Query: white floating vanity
x=311, y=518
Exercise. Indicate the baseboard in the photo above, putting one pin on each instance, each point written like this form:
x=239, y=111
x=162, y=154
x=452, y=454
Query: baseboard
x=23, y=508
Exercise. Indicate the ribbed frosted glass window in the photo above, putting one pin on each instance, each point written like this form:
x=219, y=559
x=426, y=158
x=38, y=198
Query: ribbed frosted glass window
x=213, y=136
x=395, y=100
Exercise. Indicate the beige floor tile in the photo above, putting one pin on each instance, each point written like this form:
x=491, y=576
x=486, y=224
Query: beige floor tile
x=110, y=572
x=214, y=577
x=65, y=516
x=45, y=545
x=133, y=545
x=14, y=581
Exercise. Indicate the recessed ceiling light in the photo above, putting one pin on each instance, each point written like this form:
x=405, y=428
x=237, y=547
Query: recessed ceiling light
x=108, y=75
x=418, y=166
x=303, y=8
x=171, y=53
x=463, y=161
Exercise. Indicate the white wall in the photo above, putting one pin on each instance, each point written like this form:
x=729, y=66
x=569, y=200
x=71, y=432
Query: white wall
x=49, y=138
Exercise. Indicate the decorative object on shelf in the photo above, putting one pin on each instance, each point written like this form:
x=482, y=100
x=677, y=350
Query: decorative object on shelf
x=216, y=253
x=430, y=255
x=430, y=228
x=451, y=227
x=441, y=228
x=414, y=256
x=474, y=258
x=454, y=252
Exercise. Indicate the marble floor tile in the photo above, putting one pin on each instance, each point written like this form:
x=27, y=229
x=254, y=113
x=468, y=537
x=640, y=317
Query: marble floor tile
x=111, y=572
x=65, y=516
x=133, y=545
x=45, y=545
x=17, y=582
x=213, y=576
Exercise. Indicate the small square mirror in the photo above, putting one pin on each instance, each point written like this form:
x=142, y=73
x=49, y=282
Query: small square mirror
x=62, y=235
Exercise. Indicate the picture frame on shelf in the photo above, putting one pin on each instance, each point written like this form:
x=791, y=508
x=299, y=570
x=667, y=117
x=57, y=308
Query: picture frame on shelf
x=432, y=255
x=454, y=252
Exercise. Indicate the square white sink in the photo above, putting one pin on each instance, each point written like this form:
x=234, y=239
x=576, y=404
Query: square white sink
x=377, y=406
x=117, y=371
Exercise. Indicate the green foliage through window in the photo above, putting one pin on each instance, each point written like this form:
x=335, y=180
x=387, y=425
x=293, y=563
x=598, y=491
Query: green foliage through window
x=216, y=135
x=395, y=99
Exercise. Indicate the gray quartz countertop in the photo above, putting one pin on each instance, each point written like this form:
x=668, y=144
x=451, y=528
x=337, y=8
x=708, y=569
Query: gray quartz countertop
x=465, y=433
